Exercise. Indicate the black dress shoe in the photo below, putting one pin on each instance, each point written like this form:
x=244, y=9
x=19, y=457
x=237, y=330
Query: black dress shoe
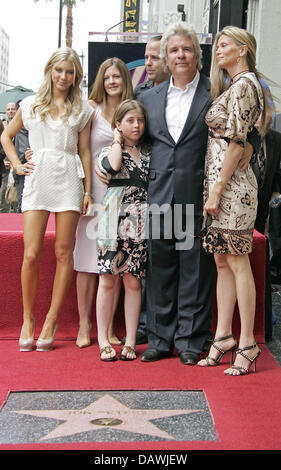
x=189, y=358
x=141, y=338
x=151, y=355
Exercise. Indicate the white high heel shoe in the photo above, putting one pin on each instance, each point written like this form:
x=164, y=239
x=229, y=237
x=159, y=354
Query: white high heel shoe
x=43, y=345
x=26, y=345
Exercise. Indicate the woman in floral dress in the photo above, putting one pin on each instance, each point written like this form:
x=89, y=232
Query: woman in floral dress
x=231, y=193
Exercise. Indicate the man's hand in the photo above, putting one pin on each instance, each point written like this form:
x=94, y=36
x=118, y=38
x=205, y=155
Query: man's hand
x=246, y=157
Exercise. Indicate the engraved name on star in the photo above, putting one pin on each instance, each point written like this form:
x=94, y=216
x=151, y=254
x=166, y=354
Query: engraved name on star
x=106, y=412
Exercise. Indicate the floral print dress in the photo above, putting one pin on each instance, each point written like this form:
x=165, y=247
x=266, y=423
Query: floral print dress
x=232, y=116
x=122, y=240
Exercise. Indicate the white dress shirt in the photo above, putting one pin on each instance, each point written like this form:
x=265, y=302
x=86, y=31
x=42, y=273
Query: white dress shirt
x=178, y=105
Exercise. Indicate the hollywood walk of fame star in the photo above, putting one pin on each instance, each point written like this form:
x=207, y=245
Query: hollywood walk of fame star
x=106, y=412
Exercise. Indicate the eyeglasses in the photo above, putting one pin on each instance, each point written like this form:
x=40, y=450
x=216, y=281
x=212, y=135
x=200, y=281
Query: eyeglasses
x=206, y=224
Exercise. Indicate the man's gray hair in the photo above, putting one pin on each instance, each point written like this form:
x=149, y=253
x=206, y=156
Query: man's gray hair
x=187, y=30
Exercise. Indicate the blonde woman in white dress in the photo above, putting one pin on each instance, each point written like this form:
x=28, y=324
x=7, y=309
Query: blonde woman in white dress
x=57, y=179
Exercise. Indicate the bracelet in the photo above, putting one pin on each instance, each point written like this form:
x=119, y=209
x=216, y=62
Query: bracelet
x=88, y=194
x=117, y=142
x=18, y=166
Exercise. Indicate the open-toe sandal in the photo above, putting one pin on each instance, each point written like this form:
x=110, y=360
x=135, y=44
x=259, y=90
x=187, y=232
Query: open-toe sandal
x=252, y=360
x=127, y=350
x=211, y=361
x=108, y=350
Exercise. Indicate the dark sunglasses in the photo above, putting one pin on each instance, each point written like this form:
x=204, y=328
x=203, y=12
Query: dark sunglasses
x=207, y=222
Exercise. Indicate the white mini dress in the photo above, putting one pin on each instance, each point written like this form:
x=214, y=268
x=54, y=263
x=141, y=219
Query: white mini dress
x=56, y=184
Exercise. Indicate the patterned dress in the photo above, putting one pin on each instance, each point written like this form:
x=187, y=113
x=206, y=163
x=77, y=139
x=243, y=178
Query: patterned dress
x=232, y=116
x=122, y=240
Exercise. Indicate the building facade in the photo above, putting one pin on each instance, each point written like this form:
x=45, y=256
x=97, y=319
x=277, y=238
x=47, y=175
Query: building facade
x=261, y=17
x=4, y=60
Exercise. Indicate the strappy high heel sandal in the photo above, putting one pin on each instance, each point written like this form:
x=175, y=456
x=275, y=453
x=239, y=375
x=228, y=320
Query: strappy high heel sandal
x=211, y=361
x=252, y=360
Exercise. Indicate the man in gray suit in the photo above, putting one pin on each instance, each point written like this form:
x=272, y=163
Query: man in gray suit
x=156, y=74
x=181, y=276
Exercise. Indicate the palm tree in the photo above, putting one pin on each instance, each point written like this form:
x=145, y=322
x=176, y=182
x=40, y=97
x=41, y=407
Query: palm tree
x=69, y=19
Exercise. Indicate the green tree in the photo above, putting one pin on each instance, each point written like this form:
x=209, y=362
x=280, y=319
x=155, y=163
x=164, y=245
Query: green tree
x=69, y=20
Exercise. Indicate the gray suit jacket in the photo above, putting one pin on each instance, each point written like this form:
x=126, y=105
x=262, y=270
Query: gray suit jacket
x=276, y=122
x=177, y=169
x=272, y=177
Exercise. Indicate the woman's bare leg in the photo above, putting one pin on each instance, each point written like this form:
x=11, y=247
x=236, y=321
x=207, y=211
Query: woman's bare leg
x=86, y=284
x=226, y=299
x=66, y=223
x=246, y=297
x=34, y=227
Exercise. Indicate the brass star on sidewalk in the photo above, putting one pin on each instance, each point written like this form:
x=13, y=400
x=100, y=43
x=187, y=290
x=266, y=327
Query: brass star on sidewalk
x=106, y=412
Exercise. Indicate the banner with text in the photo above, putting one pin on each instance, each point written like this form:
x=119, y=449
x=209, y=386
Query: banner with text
x=131, y=15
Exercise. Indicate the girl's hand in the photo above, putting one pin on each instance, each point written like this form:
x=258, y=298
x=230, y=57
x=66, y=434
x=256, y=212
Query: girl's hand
x=87, y=203
x=28, y=154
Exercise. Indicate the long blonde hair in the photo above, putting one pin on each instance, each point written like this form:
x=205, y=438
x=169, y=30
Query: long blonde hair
x=220, y=79
x=98, y=94
x=43, y=104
